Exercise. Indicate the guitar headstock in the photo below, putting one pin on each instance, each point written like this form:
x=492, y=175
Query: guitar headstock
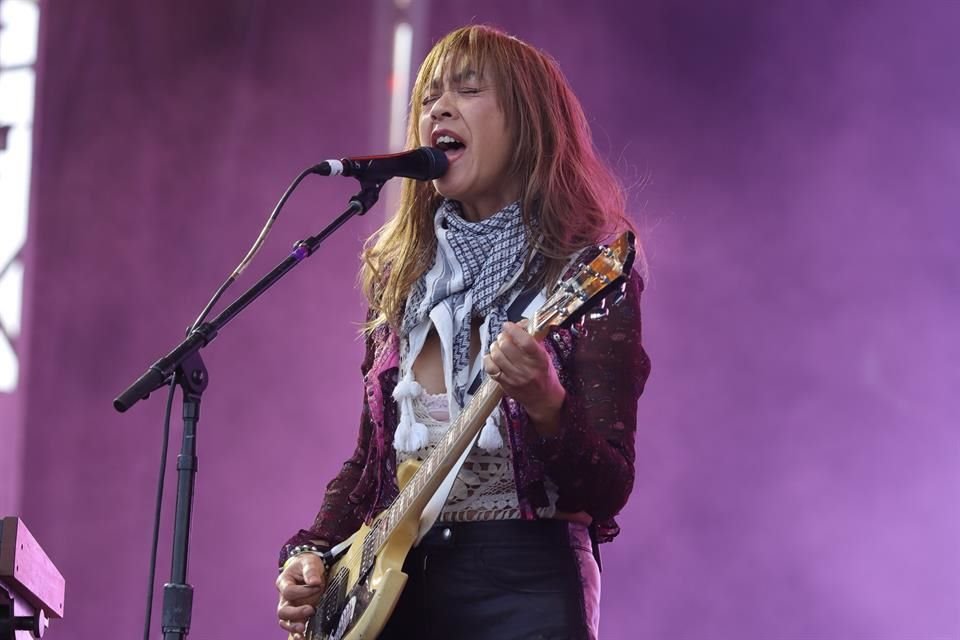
x=588, y=288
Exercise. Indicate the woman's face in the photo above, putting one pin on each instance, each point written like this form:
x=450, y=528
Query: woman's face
x=461, y=115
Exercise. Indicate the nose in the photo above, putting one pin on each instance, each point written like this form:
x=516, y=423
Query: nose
x=443, y=107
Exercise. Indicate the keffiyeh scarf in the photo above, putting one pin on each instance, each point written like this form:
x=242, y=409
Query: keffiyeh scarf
x=476, y=271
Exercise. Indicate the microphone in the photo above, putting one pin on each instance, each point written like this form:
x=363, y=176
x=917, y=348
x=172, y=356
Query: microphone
x=425, y=163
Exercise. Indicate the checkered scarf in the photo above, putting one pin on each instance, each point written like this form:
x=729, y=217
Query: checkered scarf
x=476, y=268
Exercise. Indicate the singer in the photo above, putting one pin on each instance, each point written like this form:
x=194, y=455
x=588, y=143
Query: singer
x=513, y=553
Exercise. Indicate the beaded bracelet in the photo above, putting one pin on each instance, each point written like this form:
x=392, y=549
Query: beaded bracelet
x=290, y=552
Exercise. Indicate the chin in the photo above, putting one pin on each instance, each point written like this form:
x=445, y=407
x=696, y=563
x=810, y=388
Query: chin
x=448, y=191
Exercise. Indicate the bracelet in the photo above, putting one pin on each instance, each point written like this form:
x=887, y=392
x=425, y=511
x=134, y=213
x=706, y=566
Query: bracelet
x=291, y=552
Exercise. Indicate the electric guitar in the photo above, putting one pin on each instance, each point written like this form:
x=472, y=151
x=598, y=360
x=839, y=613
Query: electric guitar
x=364, y=584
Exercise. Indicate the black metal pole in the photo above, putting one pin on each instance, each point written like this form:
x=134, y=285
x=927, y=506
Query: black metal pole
x=191, y=377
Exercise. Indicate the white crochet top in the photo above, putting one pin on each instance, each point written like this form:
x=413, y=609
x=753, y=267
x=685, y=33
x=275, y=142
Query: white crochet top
x=484, y=488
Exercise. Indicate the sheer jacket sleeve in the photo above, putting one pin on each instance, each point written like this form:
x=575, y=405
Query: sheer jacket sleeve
x=604, y=369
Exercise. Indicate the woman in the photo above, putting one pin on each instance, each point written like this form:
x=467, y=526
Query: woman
x=511, y=555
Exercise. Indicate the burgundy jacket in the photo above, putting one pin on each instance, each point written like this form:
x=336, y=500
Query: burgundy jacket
x=603, y=369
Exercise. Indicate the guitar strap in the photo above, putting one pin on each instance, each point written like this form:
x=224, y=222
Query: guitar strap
x=517, y=311
x=523, y=305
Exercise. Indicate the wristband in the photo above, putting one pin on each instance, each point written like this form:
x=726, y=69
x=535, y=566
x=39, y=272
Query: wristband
x=289, y=553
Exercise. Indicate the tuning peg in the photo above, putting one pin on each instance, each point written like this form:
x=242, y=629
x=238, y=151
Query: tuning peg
x=620, y=295
x=601, y=312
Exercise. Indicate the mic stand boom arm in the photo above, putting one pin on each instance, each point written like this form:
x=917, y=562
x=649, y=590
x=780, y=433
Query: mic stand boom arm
x=184, y=365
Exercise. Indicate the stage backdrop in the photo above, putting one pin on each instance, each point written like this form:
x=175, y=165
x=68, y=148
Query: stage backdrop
x=793, y=168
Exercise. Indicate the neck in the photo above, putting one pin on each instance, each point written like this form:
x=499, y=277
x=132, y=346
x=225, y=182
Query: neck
x=476, y=211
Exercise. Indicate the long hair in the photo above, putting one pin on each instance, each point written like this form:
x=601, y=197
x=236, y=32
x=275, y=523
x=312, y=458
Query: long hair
x=569, y=199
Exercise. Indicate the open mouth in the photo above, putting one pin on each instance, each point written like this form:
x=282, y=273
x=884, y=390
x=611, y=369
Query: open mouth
x=448, y=143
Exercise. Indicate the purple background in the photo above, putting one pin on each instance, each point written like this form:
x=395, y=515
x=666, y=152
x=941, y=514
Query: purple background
x=792, y=167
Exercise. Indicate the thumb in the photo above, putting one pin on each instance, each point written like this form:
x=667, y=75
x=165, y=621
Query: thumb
x=310, y=574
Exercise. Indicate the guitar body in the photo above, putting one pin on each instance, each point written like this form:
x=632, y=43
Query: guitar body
x=368, y=598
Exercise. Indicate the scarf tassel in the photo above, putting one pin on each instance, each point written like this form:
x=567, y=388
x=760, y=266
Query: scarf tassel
x=490, y=439
x=411, y=435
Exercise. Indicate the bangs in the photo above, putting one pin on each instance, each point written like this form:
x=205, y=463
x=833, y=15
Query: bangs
x=471, y=49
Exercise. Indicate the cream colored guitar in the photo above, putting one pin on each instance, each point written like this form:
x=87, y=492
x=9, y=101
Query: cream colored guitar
x=363, y=586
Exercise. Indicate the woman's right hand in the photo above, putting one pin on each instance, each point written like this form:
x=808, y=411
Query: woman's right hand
x=300, y=584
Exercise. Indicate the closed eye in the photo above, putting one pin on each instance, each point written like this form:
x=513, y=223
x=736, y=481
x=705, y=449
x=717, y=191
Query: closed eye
x=462, y=90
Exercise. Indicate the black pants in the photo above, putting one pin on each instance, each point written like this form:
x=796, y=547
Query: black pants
x=493, y=580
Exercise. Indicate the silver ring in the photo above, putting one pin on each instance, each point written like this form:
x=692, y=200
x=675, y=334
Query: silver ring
x=496, y=376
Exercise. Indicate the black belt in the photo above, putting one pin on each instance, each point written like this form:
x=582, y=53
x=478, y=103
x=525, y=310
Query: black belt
x=499, y=532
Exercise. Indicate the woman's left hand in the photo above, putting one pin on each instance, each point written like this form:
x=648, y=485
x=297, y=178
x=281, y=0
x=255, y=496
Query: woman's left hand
x=522, y=367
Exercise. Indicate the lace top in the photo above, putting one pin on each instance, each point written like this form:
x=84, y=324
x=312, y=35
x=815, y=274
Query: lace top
x=485, y=487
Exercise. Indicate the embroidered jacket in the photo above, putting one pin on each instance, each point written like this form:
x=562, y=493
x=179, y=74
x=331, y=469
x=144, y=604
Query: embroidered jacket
x=590, y=458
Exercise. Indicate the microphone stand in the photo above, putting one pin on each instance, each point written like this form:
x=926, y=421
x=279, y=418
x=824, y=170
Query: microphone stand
x=184, y=367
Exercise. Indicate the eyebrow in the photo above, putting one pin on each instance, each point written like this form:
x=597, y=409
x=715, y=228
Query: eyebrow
x=457, y=78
